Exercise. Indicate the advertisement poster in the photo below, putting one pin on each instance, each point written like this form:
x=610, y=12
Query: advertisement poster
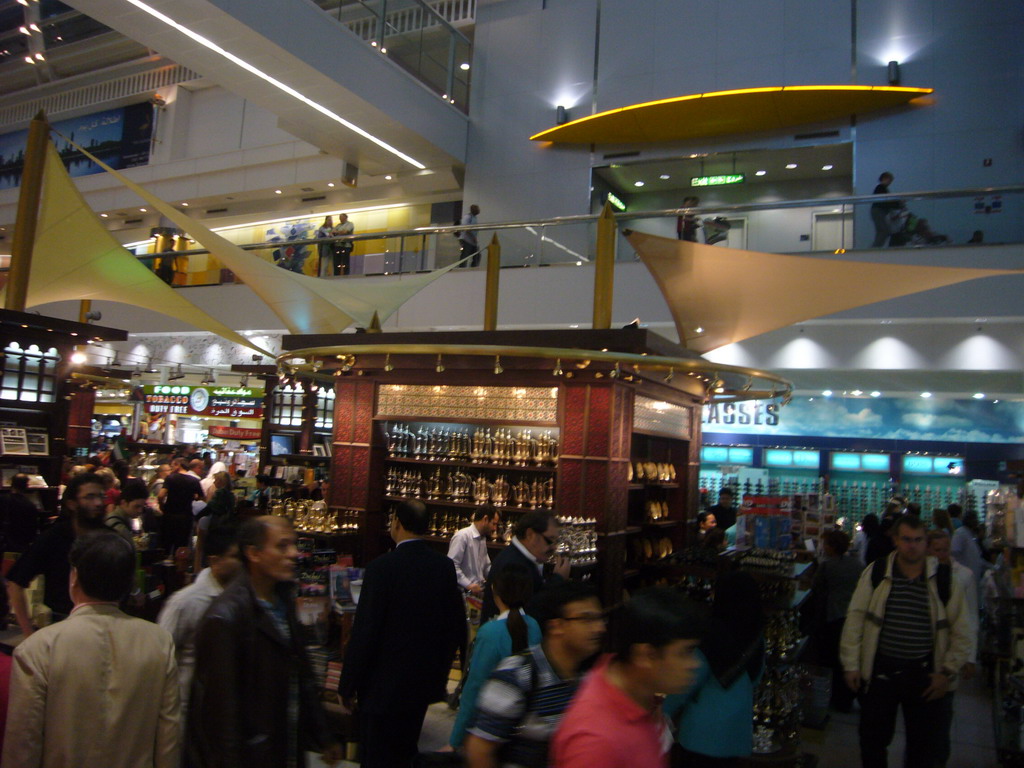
x=119, y=137
x=971, y=421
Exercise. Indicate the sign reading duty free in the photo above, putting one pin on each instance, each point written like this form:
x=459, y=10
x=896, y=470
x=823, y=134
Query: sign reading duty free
x=225, y=402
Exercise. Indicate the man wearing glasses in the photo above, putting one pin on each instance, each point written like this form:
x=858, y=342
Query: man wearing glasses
x=534, y=539
x=84, y=509
x=521, y=705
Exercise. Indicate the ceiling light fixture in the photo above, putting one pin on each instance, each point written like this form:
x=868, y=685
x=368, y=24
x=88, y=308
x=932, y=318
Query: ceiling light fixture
x=664, y=177
x=104, y=215
x=827, y=393
x=497, y=365
x=184, y=205
x=440, y=365
x=277, y=191
x=857, y=393
x=464, y=66
x=876, y=393
x=143, y=210
x=330, y=184
x=926, y=395
x=760, y=173
x=205, y=42
x=978, y=395
x=178, y=374
x=388, y=177
x=790, y=166
x=827, y=167
x=638, y=183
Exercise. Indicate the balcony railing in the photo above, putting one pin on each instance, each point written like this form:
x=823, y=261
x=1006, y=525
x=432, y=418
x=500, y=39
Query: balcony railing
x=833, y=225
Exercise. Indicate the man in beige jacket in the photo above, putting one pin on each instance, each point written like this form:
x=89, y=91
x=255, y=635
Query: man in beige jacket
x=100, y=688
x=905, y=640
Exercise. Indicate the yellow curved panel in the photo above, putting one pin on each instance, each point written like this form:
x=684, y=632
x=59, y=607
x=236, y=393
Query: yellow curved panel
x=747, y=110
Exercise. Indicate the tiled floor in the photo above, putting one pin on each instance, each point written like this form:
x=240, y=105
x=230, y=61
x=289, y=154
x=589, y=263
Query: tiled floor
x=972, y=737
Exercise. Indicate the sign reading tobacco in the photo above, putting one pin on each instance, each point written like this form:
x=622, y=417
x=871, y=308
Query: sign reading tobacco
x=225, y=402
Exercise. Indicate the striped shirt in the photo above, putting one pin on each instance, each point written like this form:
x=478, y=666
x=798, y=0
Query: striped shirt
x=520, y=706
x=907, y=625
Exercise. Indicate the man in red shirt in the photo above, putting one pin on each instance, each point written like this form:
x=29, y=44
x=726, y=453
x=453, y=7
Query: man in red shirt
x=616, y=721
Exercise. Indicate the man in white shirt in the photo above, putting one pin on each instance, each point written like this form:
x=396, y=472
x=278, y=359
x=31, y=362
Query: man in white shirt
x=468, y=550
x=184, y=611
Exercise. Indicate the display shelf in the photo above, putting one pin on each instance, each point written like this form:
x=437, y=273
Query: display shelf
x=300, y=457
x=460, y=504
x=660, y=524
x=636, y=487
x=468, y=465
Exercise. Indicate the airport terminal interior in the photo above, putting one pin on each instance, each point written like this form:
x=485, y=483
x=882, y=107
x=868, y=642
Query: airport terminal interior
x=626, y=262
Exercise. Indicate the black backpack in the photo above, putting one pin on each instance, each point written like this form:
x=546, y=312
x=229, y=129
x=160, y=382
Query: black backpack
x=943, y=577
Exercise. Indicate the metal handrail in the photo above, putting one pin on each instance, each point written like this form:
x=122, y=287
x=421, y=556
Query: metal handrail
x=624, y=216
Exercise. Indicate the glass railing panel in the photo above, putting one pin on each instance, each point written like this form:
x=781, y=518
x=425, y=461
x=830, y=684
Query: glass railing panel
x=417, y=36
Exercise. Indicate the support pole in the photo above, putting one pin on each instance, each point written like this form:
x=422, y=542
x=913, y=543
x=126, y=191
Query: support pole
x=493, y=275
x=83, y=310
x=28, y=213
x=604, y=268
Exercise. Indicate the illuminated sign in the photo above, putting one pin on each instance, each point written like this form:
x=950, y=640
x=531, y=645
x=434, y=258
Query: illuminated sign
x=861, y=462
x=720, y=454
x=616, y=203
x=933, y=465
x=784, y=457
x=717, y=181
x=223, y=402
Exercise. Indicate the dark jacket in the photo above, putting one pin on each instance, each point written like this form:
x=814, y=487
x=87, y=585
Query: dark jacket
x=408, y=624
x=511, y=554
x=239, y=702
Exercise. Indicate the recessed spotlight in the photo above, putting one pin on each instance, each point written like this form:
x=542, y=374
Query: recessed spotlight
x=760, y=173
x=876, y=393
x=827, y=393
x=638, y=183
x=698, y=329
x=464, y=66
x=388, y=177
x=143, y=210
x=790, y=166
x=104, y=215
x=664, y=176
x=826, y=167
x=330, y=184
x=277, y=191
x=978, y=395
x=926, y=395
x=184, y=205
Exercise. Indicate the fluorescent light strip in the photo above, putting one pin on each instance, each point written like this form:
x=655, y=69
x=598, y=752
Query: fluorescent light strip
x=273, y=81
x=297, y=217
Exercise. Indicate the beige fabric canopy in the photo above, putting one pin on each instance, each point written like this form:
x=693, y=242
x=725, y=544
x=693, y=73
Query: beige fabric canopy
x=734, y=295
x=75, y=257
x=305, y=304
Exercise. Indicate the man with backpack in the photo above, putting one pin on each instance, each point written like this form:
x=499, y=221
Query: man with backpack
x=905, y=640
x=520, y=707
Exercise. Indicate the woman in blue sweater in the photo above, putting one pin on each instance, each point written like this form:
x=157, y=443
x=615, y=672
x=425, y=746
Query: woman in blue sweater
x=511, y=632
x=715, y=716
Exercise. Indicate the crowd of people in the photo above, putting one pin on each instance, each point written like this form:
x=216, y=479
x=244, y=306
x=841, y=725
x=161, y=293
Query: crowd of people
x=223, y=677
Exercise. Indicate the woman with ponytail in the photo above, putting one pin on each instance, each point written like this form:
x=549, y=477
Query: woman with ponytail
x=509, y=633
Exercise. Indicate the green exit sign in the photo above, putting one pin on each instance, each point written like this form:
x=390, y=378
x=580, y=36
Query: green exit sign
x=717, y=181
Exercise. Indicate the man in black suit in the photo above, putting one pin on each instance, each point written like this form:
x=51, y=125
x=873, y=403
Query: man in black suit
x=409, y=622
x=534, y=539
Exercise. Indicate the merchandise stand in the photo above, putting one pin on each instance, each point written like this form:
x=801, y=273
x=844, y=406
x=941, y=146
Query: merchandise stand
x=563, y=436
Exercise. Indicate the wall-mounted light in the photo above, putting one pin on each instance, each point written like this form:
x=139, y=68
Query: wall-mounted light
x=893, y=72
x=561, y=115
